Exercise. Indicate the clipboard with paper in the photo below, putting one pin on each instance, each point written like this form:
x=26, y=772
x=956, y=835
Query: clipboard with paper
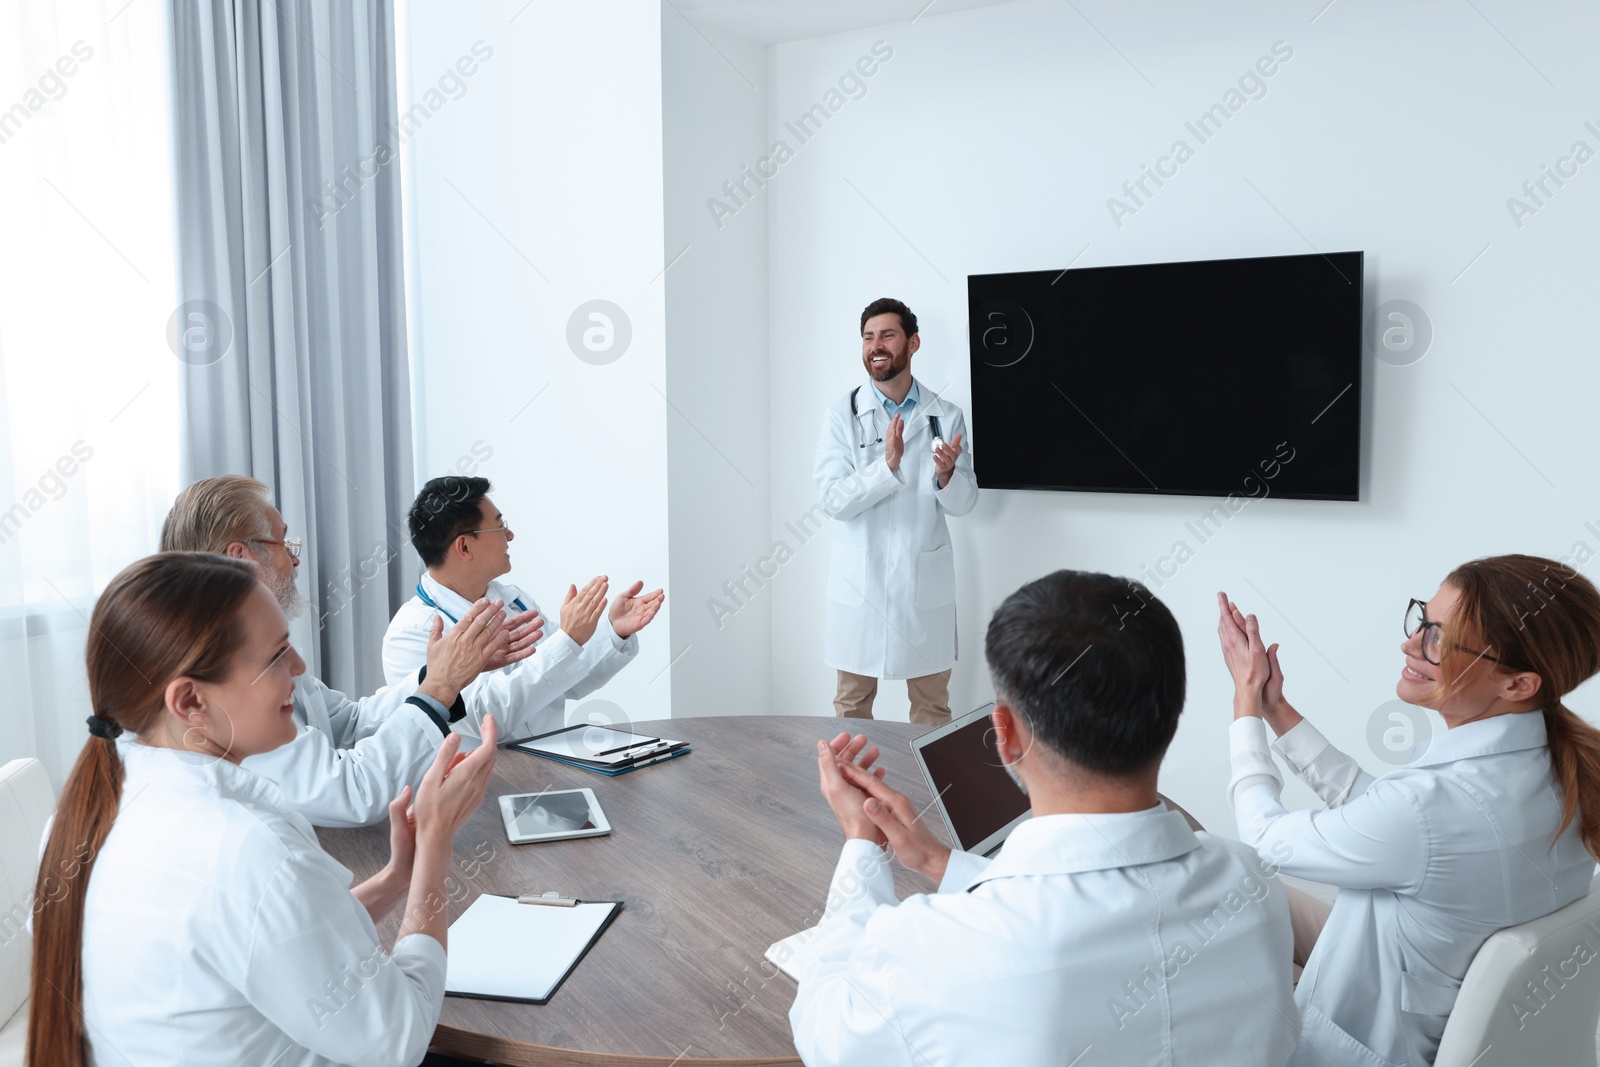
x=601, y=748
x=504, y=950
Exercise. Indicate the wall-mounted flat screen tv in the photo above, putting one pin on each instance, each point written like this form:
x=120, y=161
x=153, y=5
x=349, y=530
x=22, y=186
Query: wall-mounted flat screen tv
x=1184, y=378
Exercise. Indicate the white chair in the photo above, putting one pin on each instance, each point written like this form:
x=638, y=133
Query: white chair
x=1532, y=994
x=26, y=803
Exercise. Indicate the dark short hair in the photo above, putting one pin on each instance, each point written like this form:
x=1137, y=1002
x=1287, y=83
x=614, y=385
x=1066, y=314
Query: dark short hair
x=1094, y=664
x=445, y=509
x=885, y=305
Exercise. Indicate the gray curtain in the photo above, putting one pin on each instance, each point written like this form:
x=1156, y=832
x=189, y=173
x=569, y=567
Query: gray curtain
x=291, y=324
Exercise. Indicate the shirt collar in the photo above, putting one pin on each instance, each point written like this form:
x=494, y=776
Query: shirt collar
x=455, y=603
x=1069, y=844
x=443, y=596
x=1484, y=737
x=152, y=767
x=910, y=402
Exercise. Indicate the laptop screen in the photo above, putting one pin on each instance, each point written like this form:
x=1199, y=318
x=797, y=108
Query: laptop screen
x=965, y=774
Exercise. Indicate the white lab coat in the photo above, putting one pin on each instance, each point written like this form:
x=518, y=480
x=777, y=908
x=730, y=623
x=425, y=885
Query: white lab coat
x=891, y=602
x=526, y=698
x=351, y=757
x=1430, y=860
x=1129, y=935
x=216, y=930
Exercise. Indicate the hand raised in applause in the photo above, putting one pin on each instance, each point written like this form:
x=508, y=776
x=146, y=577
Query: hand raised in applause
x=631, y=612
x=517, y=641
x=898, y=823
x=845, y=798
x=580, y=612
x=458, y=657
x=894, y=443
x=1249, y=661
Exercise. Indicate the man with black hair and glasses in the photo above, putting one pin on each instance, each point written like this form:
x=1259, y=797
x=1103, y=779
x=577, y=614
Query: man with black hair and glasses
x=465, y=543
x=1105, y=930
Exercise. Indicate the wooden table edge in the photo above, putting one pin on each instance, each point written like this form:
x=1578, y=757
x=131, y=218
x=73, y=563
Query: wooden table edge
x=453, y=1041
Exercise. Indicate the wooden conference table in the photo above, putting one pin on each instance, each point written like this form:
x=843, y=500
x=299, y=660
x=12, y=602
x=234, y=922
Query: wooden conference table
x=715, y=855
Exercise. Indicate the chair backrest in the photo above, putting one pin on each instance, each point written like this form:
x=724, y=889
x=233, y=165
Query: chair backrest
x=1532, y=993
x=26, y=803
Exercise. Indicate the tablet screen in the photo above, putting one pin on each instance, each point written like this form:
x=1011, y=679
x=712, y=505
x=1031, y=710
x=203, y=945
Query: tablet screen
x=551, y=813
x=974, y=789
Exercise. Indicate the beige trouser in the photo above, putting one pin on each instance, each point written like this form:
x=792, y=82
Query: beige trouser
x=930, y=697
x=1307, y=917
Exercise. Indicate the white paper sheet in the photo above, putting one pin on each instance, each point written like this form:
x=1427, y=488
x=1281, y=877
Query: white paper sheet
x=784, y=954
x=587, y=742
x=499, y=948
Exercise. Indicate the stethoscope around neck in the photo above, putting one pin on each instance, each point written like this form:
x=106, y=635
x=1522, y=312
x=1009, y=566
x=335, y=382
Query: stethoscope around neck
x=861, y=444
x=422, y=594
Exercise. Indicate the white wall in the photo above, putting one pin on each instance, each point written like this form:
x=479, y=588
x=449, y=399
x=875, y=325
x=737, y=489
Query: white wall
x=714, y=109
x=991, y=142
x=521, y=206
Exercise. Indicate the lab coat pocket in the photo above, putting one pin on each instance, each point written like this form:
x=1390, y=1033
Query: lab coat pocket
x=936, y=579
x=1423, y=996
x=1425, y=1007
x=847, y=575
x=1323, y=1042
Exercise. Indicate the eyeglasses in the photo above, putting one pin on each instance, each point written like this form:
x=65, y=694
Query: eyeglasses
x=502, y=528
x=1433, y=636
x=291, y=545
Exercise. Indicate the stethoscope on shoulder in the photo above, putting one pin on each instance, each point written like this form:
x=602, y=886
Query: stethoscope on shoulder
x=422, y=595
x=855, y=419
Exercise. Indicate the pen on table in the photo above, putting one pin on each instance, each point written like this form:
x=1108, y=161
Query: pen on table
x=552, y=898
x=631, y=744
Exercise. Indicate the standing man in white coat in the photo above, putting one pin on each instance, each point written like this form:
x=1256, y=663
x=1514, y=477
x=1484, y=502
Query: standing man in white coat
x=890, y=467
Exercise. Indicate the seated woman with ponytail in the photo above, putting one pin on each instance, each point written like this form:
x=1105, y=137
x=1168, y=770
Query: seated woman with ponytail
x=1494, y=823
x=183, y=914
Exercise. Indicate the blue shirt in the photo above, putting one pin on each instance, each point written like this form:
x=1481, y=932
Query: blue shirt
x=903, y=409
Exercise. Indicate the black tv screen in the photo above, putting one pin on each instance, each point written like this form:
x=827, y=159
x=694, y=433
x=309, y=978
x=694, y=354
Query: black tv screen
x=1229, y=376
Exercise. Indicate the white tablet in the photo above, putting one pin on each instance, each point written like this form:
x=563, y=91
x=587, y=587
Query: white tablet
x=977, y=799
x=553, y=815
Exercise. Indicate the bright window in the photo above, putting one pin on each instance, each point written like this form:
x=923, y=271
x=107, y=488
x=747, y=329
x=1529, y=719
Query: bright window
x=88, y=382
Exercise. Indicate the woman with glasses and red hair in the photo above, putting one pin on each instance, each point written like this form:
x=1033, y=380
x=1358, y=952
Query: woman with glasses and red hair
x=1495, y=822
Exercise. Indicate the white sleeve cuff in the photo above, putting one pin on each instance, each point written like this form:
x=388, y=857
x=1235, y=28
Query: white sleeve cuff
x=863, y=875
x=617, y=643
x=563, y=642
x=1250, y=756
x=878, y=473
x=961, y=871
x=422, y=958
x=423, y=947
x=1301, y=745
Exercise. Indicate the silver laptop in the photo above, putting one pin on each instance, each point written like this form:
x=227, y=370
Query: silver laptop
x=977, y=799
